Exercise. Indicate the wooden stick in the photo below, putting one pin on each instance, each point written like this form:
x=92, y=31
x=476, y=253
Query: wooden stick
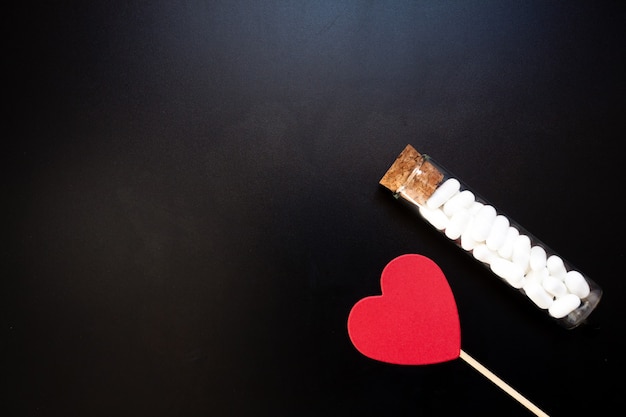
x=503, y=385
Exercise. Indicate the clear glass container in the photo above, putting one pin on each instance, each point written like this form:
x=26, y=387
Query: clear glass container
x=503, y=246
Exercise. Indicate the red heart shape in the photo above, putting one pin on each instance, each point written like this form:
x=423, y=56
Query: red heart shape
x=414, y=322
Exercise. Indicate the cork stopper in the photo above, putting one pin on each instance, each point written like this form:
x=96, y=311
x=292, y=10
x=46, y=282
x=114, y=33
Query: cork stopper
x=412, y=176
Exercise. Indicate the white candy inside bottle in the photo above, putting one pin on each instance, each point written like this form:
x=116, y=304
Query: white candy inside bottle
x=509, y=251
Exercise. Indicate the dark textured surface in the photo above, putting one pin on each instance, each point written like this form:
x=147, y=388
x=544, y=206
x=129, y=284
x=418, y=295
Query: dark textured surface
x=192, y=203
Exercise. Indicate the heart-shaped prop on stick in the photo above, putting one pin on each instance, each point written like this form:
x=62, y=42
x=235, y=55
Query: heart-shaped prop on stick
x=415, y=321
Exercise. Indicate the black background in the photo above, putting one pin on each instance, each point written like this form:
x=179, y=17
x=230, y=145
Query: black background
x=192, y=203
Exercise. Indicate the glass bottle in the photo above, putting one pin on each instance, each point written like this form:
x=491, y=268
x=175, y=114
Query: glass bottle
x=503, y=246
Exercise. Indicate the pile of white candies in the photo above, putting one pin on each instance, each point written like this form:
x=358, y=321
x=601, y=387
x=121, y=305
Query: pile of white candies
x=492, y=239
